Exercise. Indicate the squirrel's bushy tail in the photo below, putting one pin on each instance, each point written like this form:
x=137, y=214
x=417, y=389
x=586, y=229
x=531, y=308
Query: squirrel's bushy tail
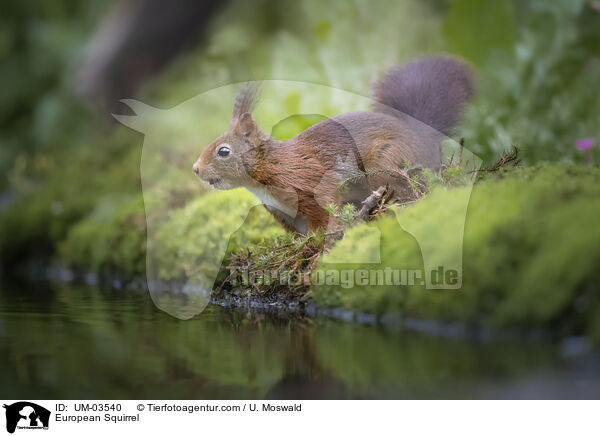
x=433, y=90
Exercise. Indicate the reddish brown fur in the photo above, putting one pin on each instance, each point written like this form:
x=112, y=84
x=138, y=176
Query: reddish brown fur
x=368, y=148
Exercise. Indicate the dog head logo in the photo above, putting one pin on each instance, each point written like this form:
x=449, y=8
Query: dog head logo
x=26, y=415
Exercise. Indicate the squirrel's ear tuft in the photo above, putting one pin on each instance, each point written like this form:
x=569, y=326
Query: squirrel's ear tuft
x=246, y=124
x=246, y=100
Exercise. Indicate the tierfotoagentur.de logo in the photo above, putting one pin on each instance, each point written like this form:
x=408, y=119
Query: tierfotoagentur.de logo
x=25, y=415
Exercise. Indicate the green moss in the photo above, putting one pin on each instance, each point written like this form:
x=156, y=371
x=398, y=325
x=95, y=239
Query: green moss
x=194, y=240
x=531, y=251
x=111, y=240
x=187, y=242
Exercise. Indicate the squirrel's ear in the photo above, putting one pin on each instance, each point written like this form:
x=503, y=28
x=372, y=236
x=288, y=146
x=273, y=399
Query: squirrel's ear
x=246, y=124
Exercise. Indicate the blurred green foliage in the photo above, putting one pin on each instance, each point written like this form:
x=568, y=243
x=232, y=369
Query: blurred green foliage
x=39, y=117
x=43, y=214
x=538, y=94
x=480, y=30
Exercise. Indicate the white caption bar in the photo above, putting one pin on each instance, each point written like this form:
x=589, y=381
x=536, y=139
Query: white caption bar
x=262, y=417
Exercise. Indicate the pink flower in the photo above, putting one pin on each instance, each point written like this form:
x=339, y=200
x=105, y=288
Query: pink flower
x=584, y=143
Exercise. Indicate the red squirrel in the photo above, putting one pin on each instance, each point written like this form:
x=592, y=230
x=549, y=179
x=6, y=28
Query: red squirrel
x=414, y=108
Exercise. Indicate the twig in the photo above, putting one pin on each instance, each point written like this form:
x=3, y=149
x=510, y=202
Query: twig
x=370, y=202
x=508, y=158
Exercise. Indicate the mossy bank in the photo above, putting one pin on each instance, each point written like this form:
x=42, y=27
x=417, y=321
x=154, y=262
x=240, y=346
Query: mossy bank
x=530, y=257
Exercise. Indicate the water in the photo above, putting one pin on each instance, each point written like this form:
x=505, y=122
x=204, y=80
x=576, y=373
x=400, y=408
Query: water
x=74, y=342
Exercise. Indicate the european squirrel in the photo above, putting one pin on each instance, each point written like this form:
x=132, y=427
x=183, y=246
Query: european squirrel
x=415, y=107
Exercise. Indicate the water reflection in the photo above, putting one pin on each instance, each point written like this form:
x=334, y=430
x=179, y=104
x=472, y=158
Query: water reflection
x=83, y=342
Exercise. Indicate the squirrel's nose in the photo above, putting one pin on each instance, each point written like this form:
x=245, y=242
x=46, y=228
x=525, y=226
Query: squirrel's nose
x=196, y=168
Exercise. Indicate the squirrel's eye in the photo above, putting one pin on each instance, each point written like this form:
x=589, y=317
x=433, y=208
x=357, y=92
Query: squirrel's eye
x=224, y=151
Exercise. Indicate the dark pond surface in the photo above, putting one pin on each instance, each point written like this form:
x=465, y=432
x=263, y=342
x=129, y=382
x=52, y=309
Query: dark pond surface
x=76, y=342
